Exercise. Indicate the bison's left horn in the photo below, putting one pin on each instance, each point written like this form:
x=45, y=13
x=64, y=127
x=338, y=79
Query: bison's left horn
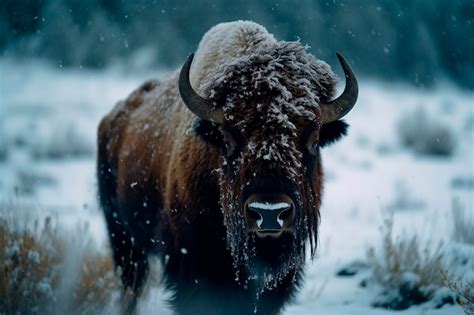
x=196, y=104
x=340, y=106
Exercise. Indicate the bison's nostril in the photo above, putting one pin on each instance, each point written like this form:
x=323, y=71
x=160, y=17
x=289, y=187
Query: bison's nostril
x=284, y=215
x=255, y=215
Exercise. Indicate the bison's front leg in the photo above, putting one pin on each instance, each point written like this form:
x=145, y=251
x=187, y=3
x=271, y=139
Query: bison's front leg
x=133, y=263
x=130, y=257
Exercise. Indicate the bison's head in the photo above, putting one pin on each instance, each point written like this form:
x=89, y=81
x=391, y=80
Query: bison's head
x=269, y=114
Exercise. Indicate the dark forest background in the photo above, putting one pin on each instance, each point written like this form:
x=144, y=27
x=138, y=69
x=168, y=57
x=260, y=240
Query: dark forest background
x=416, y=41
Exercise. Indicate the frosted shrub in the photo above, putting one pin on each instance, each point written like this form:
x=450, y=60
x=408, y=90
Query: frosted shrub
x=425, y=135
x=3, y=149
x=405, y=199
x=28, y=268
x=29, y=180
x=32, y=272
x=62, y=141
x=407, y=272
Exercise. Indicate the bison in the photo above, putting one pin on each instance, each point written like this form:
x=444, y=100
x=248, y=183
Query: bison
x=217, y=170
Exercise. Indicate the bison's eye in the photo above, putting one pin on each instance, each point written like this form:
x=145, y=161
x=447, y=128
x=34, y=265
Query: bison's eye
x=313, y=147
x=312, y=142
x=229, y=147
x=229, y=143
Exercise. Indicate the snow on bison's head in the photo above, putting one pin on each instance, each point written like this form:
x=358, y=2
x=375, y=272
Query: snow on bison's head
x=269, y=113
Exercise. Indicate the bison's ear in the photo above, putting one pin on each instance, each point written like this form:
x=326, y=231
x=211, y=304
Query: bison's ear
x=209, y=133
x=331, y=132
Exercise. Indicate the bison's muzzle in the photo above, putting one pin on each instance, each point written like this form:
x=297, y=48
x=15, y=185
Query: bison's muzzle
x=269, y=214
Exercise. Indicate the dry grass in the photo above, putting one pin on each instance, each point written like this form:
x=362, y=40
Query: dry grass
x=464, y=290
x=463, y=224
x=97, y=282
x=408, y=272
x=32, y=271
x=462, y=283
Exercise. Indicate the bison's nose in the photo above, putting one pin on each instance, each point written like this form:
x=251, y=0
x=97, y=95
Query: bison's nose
x=269, y=215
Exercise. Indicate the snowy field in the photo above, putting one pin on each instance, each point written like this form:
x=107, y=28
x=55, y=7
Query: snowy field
x=48, y=122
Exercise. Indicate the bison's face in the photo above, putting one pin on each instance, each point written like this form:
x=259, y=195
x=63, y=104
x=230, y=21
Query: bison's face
x=270, y=172
x=269, y=116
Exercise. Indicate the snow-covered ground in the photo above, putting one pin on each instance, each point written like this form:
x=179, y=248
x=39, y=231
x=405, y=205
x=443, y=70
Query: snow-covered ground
x=48, y=122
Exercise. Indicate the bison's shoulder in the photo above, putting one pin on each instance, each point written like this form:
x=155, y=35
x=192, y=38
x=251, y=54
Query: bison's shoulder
x=139, y=138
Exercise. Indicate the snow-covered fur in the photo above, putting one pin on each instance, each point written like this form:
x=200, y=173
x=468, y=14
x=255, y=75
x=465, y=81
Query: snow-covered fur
x=224, y=42
x=170, y=184
x=239, y=42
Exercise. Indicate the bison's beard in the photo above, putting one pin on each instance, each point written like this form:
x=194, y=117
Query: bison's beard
x=264, y=263
x=275, y=259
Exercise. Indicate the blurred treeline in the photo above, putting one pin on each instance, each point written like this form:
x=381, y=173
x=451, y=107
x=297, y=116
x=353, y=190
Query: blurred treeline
x=419, y=41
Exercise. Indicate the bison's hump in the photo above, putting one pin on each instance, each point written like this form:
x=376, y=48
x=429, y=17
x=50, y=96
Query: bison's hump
x=227, y=41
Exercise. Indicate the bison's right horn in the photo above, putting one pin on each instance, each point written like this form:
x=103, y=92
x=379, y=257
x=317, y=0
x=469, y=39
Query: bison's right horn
x=340, y=106
x=196, y=104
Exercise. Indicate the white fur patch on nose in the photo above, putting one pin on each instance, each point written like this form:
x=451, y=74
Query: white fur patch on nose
x=269, y=206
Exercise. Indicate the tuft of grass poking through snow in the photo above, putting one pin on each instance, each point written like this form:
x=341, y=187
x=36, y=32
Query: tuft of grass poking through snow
x=408, y=273
x=464, y=288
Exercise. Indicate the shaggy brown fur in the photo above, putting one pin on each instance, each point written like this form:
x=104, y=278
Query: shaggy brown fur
x=171, y=184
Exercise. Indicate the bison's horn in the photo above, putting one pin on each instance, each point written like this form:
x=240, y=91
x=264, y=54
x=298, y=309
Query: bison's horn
x=340, y=106
x=196, y=104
